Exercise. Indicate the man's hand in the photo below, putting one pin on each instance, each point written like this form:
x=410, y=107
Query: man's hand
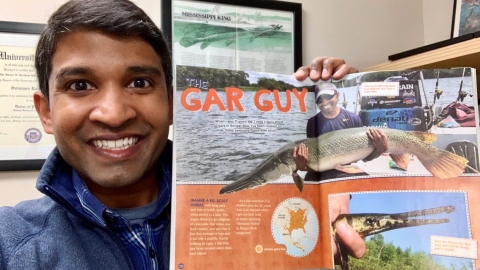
x=350, y=238
x=380, y=142
x=300, y=156
x=324, y=68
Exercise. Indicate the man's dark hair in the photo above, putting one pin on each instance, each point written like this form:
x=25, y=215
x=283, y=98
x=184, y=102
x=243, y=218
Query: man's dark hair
x=119, y=17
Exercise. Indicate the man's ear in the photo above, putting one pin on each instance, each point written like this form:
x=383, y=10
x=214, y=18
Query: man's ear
x=170, y=105
x=43, y=111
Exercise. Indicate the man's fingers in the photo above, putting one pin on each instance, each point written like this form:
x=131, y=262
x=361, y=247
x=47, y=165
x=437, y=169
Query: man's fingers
x=351, y=240
x=303, y=150
x=317, y=67
x=375, y=133
x=381, y=133
x=302, y=73
x=329, y=65
x=336, y=68
x=324, y=68
x=369, y=134
x=343, y=70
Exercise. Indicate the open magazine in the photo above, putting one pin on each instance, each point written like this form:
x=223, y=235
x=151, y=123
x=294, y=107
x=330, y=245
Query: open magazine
x=242, y=201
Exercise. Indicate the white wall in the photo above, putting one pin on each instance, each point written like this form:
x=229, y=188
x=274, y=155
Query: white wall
x=363, y=32
x=437, y=19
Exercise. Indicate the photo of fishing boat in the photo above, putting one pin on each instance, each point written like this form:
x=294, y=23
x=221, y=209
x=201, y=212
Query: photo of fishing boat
x=438, y=101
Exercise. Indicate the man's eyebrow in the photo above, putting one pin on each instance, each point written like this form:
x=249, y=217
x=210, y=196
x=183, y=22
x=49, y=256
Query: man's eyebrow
x=72, y=71
x=151, y=70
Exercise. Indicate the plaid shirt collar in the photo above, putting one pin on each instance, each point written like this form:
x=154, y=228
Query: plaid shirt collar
x=145, y=244
x=98, y=213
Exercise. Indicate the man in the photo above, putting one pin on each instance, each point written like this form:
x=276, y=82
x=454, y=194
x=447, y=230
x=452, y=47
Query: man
x=331, y=118
x=105, y=75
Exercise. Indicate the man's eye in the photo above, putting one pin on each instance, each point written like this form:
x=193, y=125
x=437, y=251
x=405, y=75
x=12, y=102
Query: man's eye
x=80, y=86
x=139, y=83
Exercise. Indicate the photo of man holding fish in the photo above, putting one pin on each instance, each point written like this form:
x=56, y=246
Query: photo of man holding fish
x=391, y=133
x=330, y=118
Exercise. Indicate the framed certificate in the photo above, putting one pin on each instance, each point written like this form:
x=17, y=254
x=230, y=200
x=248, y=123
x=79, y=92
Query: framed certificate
x=23, y=143
x=247, y=35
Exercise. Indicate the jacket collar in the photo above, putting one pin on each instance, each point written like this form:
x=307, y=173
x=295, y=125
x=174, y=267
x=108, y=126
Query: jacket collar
x=56, y=180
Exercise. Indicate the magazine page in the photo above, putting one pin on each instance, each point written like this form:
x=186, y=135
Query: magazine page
x=433, y=225
x=415, y=203
x=234, y=128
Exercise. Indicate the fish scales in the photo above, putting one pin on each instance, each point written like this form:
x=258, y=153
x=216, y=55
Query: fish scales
x=345, y=146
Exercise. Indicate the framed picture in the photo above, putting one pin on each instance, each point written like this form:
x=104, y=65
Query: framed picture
x=23, y=143
x=466, y=17
x=247, y=35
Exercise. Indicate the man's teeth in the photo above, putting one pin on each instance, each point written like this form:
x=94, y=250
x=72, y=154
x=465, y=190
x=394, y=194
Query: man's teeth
x=116, y=145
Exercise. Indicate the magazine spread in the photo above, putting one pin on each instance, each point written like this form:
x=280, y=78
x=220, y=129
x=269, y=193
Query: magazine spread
x=266, y=168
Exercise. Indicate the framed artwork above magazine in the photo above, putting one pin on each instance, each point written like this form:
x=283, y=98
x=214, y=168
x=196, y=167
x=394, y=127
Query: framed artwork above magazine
x=466, y=17
x=23, y=143
x=253, y=35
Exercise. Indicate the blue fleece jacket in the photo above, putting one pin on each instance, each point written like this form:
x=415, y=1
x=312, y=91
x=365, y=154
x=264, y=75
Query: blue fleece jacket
x=52, y=233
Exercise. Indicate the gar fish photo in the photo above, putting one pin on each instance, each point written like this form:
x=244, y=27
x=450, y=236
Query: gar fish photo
x=401, y=227
x=232, y=37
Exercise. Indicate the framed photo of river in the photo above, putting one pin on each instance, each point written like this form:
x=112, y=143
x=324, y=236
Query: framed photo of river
x=23, y=143
x=247, y=35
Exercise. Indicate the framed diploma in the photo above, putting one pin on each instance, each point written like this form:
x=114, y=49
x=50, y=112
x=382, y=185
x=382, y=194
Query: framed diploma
x=23, y=143
x=246, y=35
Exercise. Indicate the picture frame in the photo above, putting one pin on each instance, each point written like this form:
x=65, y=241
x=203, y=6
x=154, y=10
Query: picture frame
x=206, y=29
x=21, y=133
x=465, y=18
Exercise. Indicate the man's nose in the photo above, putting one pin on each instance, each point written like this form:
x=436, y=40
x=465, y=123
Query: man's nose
x=114, y=106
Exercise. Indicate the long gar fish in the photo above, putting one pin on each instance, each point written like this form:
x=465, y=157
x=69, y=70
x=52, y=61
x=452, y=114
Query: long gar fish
x=334, y=149
x=230, y=36
x=370, y=224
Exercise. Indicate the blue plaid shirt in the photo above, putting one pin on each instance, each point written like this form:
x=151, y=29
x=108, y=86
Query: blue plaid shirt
x=142, y=242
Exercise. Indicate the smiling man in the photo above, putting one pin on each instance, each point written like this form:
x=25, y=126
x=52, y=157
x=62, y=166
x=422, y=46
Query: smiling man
x=331, y=117
x=105, y=75
x=109, y=112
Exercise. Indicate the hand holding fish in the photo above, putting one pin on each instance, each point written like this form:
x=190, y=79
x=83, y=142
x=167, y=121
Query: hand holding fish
x=324, y=68
x=300, y=156
x=380, y=142
x=333, y=150
x=354, y=244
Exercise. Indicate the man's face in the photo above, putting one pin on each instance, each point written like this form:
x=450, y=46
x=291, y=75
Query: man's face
x=109, y=109
x=328, y=103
